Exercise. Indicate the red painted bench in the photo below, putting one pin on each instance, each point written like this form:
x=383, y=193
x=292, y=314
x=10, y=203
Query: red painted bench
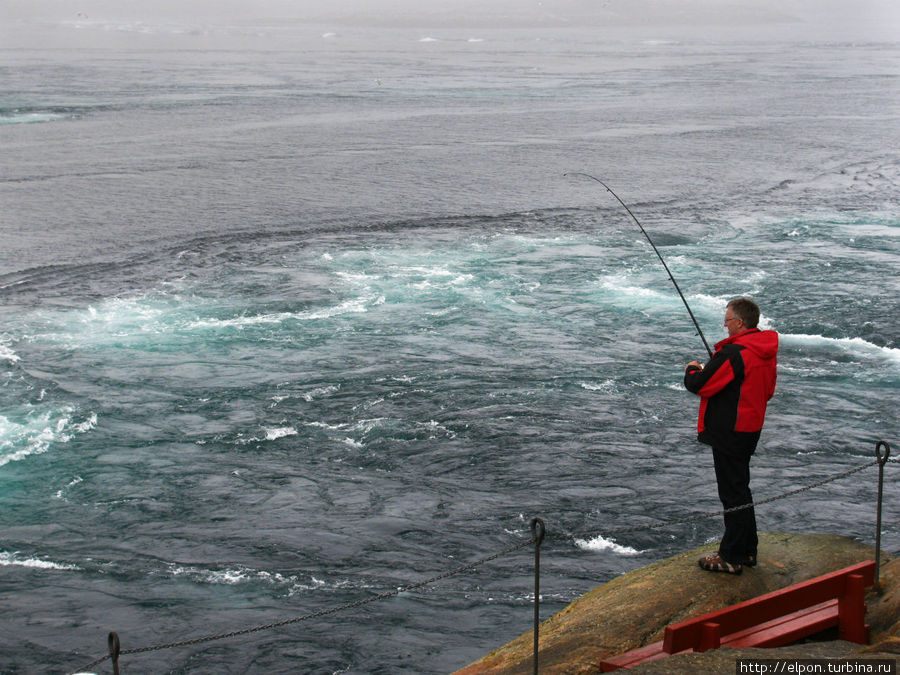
x=771, y=620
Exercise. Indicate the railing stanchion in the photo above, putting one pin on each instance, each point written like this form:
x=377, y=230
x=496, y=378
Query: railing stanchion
x=114, y=649
x=882, y=460
x=537, y=533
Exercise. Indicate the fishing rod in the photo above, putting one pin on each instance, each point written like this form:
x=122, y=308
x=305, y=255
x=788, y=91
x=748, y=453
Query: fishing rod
x=655, y=250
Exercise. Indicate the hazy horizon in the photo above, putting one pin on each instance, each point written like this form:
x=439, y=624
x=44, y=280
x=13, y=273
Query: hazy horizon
x=827, y=19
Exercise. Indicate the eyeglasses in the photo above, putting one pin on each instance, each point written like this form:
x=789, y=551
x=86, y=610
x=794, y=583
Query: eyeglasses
x=734, y=318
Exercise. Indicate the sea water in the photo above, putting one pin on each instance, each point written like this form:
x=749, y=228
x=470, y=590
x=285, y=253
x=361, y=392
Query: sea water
x=289, y=324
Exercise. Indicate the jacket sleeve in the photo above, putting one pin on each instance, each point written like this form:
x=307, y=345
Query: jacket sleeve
x=771, y=392
x=714, y=377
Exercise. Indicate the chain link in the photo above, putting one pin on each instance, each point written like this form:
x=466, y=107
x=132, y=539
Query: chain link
x=473, y=565
x=324, y=612
x=713, y=514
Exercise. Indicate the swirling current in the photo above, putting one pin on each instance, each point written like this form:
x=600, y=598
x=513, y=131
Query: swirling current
x=286, y=327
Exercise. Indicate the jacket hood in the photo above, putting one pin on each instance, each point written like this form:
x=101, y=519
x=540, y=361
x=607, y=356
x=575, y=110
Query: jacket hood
x=763, y=343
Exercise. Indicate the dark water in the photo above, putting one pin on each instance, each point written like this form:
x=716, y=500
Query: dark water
x=285, y=327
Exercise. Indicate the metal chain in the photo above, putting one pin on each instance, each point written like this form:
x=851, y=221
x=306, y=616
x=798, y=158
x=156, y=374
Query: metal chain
x=722, y=512
x=91, y=665
x=473, y=565
x=810, y=487
x=324, y=612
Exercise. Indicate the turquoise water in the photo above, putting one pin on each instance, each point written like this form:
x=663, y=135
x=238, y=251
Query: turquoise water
x=273, y=341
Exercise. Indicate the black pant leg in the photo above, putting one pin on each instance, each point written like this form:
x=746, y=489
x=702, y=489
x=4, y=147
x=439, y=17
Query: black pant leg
x=733, y=480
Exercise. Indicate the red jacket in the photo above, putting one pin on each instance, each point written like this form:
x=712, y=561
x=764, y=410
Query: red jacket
x=734, y=388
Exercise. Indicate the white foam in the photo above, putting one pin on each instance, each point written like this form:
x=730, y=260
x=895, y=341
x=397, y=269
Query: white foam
x=713, y=304
x=280, y=432
x=75, y=481
x=126, y=311
x=351, y=306
x=319, y=392
x=323, y=425
x=14, y=560
x=118, y=317
x=241, y=321
x=34, y=436
x=85, y=426
x=229, y=576
x=108, y=322
x=599, y=543
x=606, y=385
x=641, y=299
x=354, y=306
x=245, y=575
x=366, y=405
x=619, y=284
x=436, y=428
x=856, y=346
x=368, y=425
x=7, y=353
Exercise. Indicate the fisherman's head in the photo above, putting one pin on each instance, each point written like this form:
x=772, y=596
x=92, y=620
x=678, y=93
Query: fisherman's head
x=741, y=314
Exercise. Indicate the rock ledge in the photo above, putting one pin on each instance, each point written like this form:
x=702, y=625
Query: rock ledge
x=633, y=610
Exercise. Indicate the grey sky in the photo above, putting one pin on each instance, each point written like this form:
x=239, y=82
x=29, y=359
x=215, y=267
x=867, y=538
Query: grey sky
x=852, y=15
x=281, y=23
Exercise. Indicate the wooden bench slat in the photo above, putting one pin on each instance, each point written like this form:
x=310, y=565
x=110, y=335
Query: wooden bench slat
x=686, y=635
x=771, y=620
x=645, y=654
x=787, y=629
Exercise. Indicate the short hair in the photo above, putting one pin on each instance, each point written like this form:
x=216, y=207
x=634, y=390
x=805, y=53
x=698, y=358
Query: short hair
x=746, y=310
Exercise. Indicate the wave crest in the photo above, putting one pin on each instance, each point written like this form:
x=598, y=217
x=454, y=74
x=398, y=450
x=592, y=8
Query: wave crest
x=15, y=560
x=599, y=543
x=35, y=435
x=853, y=345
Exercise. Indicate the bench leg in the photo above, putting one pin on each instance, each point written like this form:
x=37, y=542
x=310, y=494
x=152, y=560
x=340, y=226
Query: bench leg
x=710, y=637
x=852, y=611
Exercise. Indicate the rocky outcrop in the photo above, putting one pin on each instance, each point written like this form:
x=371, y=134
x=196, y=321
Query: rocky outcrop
x=634, y=609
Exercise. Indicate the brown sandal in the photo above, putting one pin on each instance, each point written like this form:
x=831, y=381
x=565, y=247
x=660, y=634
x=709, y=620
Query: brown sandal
x=715, y=563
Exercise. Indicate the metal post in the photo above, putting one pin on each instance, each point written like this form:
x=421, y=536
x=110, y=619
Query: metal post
x=114, y=649
x=537, y=533
x=882, y=460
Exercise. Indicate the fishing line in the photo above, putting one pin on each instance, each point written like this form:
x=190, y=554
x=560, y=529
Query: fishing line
x=655, y=250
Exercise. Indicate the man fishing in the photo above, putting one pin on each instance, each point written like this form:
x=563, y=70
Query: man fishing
x=734, y=387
